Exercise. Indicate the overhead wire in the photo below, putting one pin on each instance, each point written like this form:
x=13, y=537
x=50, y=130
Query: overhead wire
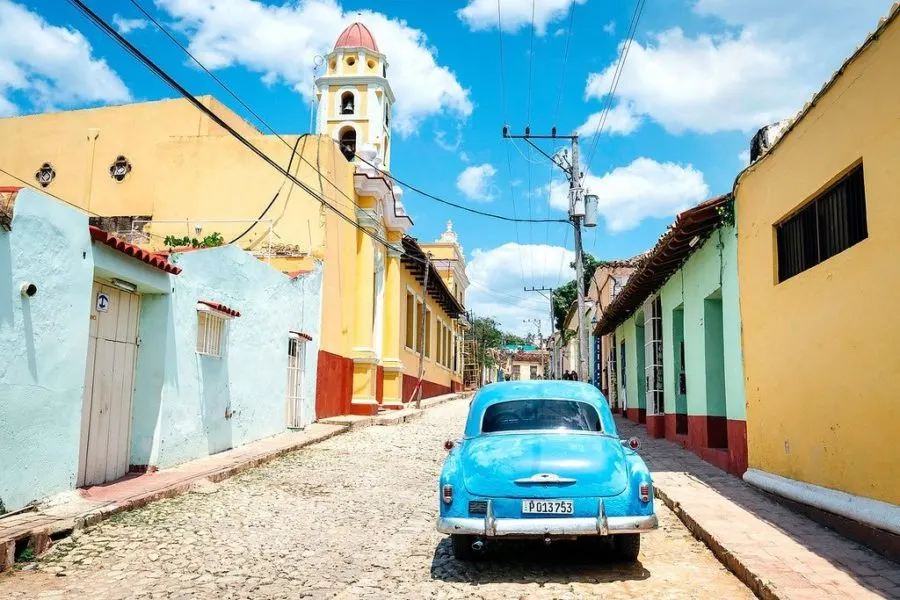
x=272, y=130
x=30, y=185
x=614, y=83
x=159, y=72
x=562, y=76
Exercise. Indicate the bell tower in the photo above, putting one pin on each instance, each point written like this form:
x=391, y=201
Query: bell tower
x=354, y=96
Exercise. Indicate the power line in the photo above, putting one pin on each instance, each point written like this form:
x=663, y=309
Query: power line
x=617, y=75
x=502, y=80
x=562, y=77
x=530, y=64
x=51, y=194
x=271, y=129
x=109, y=31
x=131, y=49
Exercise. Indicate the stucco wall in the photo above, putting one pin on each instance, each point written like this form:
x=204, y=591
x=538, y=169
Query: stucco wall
x=712, y=268
x=43, y=345
x=820, y=349
x=634, y=366
x=181, y=397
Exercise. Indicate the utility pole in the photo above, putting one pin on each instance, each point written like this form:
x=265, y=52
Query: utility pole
x=577, y=213
x=422, y=325
x=541, y=290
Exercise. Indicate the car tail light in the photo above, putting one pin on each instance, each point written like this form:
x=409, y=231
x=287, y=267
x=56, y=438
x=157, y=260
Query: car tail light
x=447, y=493
x=448, y=445
x=645, y=492
x=634, y=443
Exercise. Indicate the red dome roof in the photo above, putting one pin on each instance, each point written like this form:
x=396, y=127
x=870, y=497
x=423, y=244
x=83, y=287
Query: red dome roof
x=356, y=35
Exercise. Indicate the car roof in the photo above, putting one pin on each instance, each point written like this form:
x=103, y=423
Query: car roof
x=538, y=389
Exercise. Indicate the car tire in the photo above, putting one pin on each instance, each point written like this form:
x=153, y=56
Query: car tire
x=462, y=547
x=628, y=545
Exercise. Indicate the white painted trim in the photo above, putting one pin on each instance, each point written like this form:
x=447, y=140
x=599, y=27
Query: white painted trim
x=876, y=513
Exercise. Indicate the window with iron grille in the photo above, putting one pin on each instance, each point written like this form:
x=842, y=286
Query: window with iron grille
x=210, y=334
x=834, y=221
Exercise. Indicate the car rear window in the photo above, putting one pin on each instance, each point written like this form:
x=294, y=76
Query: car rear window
x=540, y=415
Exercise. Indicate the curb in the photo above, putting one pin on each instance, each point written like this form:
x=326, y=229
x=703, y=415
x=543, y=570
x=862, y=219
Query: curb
x=726, y=557
x=39, y=538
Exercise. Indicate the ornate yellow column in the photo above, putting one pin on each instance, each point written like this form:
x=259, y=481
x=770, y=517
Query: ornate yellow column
x=394, y=307
x=365, y=359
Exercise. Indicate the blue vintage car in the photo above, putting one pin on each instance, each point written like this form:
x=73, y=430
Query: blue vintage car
x=541, y=459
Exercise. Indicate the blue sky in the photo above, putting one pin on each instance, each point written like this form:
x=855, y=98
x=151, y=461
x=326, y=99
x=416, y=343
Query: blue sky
x=701, y=77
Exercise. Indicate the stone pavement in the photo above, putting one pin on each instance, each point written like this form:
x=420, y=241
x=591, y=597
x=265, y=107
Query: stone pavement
x=775, y=551
x=351, y=517
x=79, y=508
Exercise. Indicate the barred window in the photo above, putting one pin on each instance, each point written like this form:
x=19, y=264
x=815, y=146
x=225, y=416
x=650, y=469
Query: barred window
x=210, y=334
x=832, y=222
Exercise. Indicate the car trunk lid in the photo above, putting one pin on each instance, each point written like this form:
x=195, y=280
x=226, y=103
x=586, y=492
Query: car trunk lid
x=544, y=465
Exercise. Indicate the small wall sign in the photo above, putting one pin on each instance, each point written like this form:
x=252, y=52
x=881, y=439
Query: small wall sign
x=102, y=302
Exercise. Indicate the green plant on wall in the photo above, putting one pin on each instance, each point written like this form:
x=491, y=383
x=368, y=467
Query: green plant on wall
x=726, y=212
x=211, y=241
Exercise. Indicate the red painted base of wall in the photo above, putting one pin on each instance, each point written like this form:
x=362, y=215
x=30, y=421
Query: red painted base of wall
x=334, y=385
x=672, y=422
x=719, y=441
x=656, y=426
x=379, y=384
x=429, y=389
x=631, y=414
x=642, y=415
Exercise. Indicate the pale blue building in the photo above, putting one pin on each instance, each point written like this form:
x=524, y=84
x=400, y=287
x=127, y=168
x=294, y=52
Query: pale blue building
x=113, y=359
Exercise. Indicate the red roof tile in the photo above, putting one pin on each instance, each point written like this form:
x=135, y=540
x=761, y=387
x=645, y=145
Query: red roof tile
x=356, y=35
x=150, y=258
x=220, y=307
x=305, y=336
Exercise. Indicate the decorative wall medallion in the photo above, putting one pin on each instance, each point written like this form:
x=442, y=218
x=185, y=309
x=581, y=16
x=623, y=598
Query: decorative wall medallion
x=45, y=175
x=120, y=168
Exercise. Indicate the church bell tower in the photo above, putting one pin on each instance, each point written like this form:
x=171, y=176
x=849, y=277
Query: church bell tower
x=355, y=97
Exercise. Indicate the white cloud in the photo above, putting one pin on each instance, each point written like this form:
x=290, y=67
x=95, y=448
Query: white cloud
x=620, y=119
x=645, y=188
x=762, y=63
x=744, y=158
x=476, y=182
x=499, y=274
x=610, y=28
x=50, y=66
x=125, y=25
x=440, y=138
x=280, y=42
x=464, y=156
x=515, y=14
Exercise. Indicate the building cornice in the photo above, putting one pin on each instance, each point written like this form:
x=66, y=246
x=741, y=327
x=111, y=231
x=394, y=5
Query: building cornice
x=326, y=80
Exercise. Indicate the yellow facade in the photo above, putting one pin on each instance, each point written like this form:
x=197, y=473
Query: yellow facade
x=820, y=349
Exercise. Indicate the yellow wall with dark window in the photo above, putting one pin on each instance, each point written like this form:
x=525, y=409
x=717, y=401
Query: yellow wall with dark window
x=820, y=348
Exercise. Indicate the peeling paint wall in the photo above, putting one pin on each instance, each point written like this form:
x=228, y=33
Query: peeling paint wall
x=43, y=347
x=189, y=405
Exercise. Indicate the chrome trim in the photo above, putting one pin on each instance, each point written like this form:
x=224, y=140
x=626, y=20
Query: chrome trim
x=490, y=523
x=545, y=478
x=491, y=527
x=602, y=520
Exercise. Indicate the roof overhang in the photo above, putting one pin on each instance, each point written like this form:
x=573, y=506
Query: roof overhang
x=414, y=260
x=674, y=247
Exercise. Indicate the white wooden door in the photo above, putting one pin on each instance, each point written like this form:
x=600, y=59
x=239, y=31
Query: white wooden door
x=109, y=384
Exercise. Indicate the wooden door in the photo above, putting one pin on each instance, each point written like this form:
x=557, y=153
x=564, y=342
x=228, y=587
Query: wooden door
x=109, y=385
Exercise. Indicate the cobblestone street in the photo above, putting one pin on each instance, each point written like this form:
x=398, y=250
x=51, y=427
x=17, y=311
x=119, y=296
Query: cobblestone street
x=352, y=517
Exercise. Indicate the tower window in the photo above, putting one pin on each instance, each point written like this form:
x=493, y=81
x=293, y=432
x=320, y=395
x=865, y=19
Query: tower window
x=371, y=64
x=347, y=103
x=350, y=61
x=348, y=142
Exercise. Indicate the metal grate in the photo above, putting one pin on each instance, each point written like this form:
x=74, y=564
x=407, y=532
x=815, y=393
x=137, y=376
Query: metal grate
x=210, y=334
x=832, y=222
x=296, y=382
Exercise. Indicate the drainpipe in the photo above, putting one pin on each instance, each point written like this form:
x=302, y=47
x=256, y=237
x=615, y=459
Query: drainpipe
x=92, y=136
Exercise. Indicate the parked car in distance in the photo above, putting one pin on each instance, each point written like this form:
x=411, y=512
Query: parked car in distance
x=542, y=459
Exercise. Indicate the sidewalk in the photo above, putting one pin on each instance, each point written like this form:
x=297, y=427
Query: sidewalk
x=776, y=552
x=84, y=507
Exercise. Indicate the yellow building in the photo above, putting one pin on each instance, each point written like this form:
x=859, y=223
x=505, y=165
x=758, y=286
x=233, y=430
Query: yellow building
x=151, y=170
x=817, y=217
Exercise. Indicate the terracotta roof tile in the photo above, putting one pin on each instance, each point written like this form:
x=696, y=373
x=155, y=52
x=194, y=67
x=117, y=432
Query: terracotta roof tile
x=120, y=245
x=220, y=308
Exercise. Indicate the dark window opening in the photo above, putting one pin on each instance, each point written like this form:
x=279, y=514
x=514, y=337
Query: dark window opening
x=834, y=221
x=533, y=415
x=348, y=143
x=347, y=103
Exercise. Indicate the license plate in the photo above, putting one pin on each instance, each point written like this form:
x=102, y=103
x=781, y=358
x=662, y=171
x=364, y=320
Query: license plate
x=548, y=507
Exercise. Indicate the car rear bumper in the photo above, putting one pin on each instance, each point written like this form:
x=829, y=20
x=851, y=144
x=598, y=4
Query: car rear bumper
x=550, y=526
